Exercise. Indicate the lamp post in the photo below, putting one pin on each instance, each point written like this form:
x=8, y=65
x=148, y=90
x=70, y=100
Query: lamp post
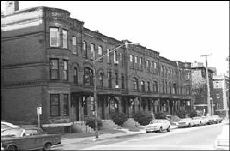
x=95, y=80
x=208, y=89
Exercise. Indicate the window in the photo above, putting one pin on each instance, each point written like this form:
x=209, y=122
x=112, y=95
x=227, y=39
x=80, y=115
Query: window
x=174, y=89
x=64, y=39
x=54, y=105
x=131, y=58
x=110, y=79
x=143, y=86
x=65, y=70
x=92, y=54
x=155, y=86
x=122, y=81
x=217, y=95
x=88, y=76
x=115, y=56
x=75, y=76
x=155, y=65
x=148, y=85
x=101, y=79
x=121, y=58
x=116, y=78
x=135, y=59
x=135, y=84
x=100, y=52
x=54, y=69
x=84, y=48
x=66, y=105
x=54, y=37
x=147, y=64
x=108, y=56
x=140, y=62
x=74, y=45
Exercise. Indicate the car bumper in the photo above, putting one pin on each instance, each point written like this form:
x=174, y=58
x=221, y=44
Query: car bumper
x=151, y=129
x=182, y=125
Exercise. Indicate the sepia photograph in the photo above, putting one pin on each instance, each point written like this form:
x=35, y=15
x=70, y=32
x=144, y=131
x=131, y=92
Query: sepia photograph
x=115, y=75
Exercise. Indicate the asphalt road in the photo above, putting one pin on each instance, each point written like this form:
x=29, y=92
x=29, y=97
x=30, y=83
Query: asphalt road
x=195, y=138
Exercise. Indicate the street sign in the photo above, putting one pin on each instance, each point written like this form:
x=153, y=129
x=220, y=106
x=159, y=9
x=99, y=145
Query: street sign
x=39, y=110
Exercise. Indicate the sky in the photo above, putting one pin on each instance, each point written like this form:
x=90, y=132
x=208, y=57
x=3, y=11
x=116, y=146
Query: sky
x=178, y=30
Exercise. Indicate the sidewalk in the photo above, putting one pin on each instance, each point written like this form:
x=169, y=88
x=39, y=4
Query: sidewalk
x=71, y=138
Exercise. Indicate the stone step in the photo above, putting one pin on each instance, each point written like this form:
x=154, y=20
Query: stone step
x=81, y=128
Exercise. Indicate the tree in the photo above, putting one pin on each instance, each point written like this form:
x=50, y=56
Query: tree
x=198, y=83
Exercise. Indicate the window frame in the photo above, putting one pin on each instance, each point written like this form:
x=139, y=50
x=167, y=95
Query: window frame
x=65, y=70
x=64, y=39
x=57, y=105
x=74, y=45
x=66, y=105
x=57, y=70
x=57, y=36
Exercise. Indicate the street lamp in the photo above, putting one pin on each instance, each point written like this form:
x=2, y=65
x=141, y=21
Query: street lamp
x=208, y=89
x=95, y=81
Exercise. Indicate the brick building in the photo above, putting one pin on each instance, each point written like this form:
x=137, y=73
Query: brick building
x=200, y=88
x=221, y=94
x=47, y=61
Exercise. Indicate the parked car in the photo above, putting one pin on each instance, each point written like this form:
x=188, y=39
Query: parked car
x=205, y=119
x=210, y=120
x=197, y=121
x=32, y=138
x=186, y=122
x=5, y=125
x=217, y=118
x=158, y=126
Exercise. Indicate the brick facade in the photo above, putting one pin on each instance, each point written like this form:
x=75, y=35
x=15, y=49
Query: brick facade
x=27, y=53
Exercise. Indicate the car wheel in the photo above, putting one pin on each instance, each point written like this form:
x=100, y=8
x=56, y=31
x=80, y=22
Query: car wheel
x=160, y=130
x=168, y=129
x=47, y=146
x=189, y=125
x=11, y=147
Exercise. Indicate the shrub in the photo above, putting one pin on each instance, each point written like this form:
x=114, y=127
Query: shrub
x=143, y=118
x=181, y=113
x=192, y=113
x=160, y=115
x=90, y=121
x=118, y=118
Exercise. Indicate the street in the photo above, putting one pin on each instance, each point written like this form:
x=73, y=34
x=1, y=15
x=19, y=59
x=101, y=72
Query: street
x=194, y=138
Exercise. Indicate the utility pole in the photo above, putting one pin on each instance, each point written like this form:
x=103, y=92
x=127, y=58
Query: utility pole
x=208, y=88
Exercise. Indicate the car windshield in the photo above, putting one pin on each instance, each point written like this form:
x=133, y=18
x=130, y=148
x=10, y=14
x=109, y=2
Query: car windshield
x=156, y=121
x=185, y=119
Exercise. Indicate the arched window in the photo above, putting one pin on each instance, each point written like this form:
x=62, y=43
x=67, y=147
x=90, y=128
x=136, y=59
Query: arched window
x=101, y=79
x=174, y=88
x=75, y=76
x=142, y=86
x=155, y=86
x=135, y=84
x=88, y=76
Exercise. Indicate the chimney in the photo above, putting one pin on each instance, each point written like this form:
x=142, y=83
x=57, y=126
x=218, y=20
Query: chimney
x=11, y=7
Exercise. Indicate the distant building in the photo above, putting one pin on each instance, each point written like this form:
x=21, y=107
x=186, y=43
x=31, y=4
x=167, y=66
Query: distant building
x=199, y=88
x=221, y=94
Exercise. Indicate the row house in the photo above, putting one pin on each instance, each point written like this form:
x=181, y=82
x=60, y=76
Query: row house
x=47, y=61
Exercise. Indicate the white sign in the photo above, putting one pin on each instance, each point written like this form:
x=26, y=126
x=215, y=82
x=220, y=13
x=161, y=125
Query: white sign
x=39, y=110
